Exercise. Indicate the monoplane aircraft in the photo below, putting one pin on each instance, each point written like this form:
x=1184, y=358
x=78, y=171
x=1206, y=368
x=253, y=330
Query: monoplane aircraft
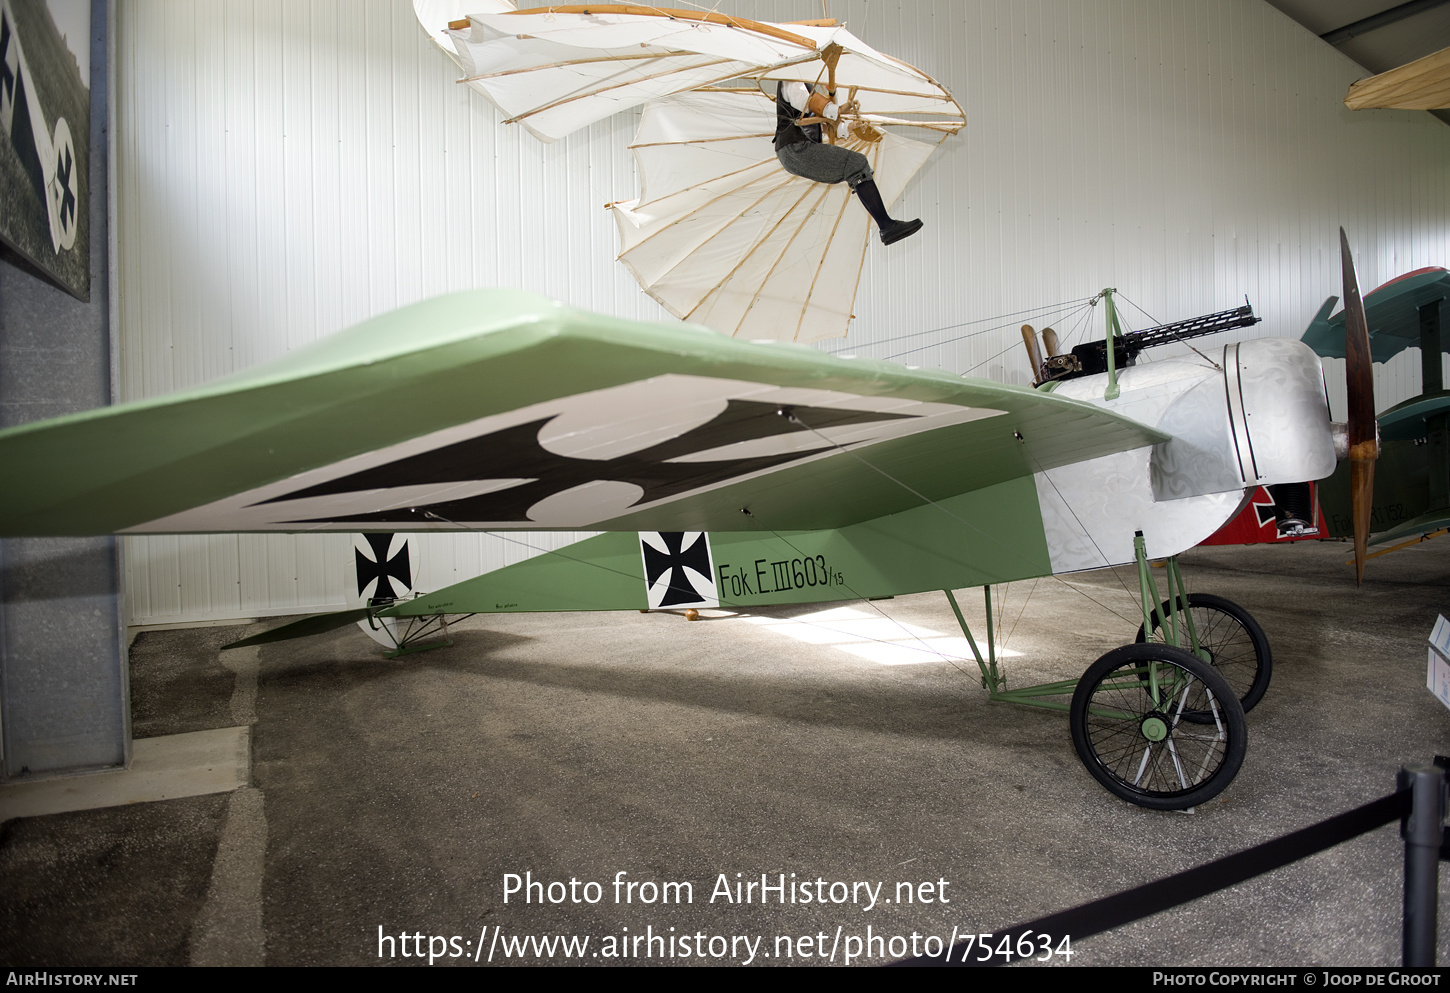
x=742, y=473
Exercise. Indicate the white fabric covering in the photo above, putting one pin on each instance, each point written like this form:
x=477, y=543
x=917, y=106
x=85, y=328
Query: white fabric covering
x=720, y=234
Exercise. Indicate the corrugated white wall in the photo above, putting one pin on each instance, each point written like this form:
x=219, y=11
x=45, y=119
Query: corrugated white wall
x=286, y=169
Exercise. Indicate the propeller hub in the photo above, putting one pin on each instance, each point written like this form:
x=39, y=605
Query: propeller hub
x=1342, y=449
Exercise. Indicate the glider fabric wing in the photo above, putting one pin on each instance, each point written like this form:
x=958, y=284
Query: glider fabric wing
x=721, y=234
x=1420, y=85
x=503, y=410
x=556, y=69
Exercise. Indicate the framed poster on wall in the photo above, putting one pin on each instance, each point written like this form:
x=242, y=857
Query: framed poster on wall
x=45, y=122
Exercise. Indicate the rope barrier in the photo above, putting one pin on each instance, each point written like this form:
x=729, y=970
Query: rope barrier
x=1152, y=898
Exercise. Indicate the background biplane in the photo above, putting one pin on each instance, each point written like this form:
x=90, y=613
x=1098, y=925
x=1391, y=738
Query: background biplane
x=816, y=477
x=1412, y=490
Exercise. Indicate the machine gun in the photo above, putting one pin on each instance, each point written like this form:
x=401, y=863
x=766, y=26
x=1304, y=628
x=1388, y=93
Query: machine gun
x=1091, y=357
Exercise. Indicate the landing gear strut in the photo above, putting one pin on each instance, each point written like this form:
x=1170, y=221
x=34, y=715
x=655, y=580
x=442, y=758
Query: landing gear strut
x=1159, y=723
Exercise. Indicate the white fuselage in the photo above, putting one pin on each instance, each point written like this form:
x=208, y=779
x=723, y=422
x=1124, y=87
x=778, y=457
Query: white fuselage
x=1259, y=418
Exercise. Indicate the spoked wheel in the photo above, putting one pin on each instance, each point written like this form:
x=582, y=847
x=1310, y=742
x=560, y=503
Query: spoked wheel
x=1229, y=639
x=1130, y=726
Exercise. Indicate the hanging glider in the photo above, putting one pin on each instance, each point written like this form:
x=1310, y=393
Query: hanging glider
x=723, y=236
x=720, y=235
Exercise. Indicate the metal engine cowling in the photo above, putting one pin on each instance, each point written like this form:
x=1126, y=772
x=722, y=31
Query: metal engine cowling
x=1263, y=421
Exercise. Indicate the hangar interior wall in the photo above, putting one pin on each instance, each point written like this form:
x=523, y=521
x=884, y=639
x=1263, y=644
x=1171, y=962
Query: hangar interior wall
x=287, y=169
x=64, y=681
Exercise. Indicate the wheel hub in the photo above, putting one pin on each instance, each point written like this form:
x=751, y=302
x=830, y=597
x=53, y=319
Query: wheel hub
x=1154, y=727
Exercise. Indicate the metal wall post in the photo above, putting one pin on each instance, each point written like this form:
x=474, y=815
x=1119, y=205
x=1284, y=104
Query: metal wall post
x=1423, y=831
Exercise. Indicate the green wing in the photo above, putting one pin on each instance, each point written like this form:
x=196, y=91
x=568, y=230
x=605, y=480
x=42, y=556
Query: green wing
x=500, y=410
x=1392, y=311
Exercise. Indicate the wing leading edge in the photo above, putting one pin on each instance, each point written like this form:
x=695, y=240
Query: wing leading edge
x=500, y=409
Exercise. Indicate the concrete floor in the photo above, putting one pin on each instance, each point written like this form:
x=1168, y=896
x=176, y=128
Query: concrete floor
x=399, y=795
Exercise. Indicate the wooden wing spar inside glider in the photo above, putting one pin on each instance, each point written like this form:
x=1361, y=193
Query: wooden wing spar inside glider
x=720, y=234
x=557, y=69
x=502, y=410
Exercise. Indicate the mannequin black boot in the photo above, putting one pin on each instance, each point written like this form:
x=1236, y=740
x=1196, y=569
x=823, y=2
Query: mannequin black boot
x=891, y=231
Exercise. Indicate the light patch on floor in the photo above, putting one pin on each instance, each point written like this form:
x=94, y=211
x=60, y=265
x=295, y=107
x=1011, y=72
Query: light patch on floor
x=874, y=637
x=162, y=768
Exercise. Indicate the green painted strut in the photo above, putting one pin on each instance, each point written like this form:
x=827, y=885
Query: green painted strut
x=1180, y=600
x=1111, y=339
x=1161, y=683
x=1177, y=603
x=991, y=681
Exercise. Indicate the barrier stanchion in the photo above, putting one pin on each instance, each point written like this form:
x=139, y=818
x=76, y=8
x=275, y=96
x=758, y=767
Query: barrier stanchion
x=1420, y=805
x=1423, y=830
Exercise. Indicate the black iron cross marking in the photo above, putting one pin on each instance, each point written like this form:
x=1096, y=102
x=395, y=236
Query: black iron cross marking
x=515, y=453
x=385, y=570
x=7, y=75
x=674, y=561
x=1265, y=512
x=67, y=198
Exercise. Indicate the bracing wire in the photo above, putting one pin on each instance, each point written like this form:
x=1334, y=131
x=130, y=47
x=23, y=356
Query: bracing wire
x=1022, y=610
x=874, y=606
x=1007, y=318
x=998, y=327
x=1085, y=309
x=956, y=517
x=1181, y=340
x=1151, y=319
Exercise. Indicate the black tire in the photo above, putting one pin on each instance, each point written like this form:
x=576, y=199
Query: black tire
x=1231, y=639
x=1190, y=761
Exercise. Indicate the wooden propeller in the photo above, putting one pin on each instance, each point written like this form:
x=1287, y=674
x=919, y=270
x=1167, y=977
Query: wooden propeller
x=1363, y=434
